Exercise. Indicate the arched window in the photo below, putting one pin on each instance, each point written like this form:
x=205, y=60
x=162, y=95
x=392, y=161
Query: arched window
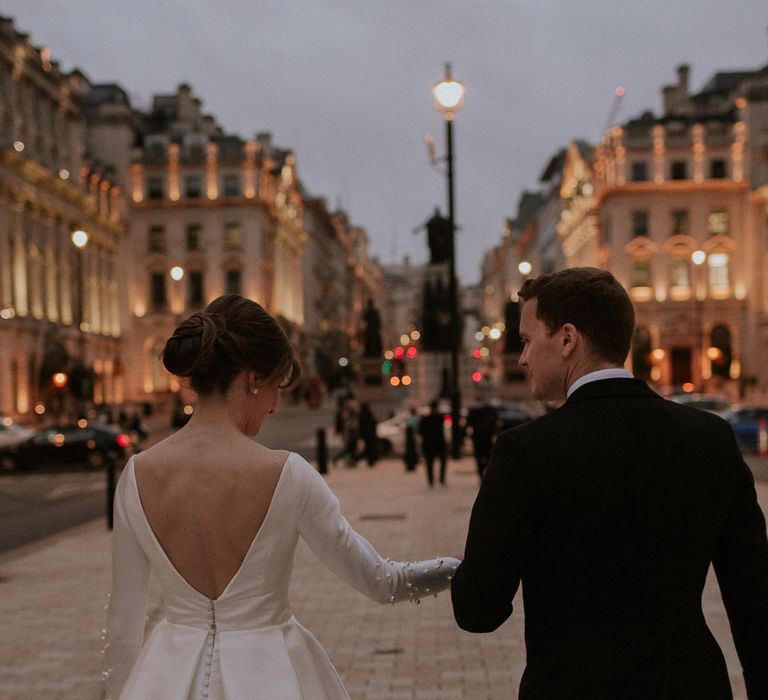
x=641, y=353
x=679, y=278
x=720, y=351
x=719, y=280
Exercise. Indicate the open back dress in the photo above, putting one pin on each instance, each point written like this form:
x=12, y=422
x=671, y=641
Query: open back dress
x=245, y=644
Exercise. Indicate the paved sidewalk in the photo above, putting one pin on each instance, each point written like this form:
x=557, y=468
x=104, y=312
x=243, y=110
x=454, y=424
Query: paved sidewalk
x=52, y=595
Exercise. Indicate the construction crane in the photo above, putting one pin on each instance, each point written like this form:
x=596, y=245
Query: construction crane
x=618, y=93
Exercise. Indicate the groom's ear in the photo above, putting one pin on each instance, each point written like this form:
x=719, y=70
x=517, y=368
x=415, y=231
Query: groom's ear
x=569, y=339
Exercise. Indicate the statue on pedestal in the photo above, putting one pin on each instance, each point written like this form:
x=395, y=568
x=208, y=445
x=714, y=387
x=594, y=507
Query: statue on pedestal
x=372, y=346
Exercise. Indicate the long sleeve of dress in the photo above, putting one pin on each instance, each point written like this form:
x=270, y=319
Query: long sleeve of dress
x=126, y=612
x=354, y=560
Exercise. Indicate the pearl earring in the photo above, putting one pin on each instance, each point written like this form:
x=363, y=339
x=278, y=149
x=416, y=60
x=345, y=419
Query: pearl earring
x=254, y=390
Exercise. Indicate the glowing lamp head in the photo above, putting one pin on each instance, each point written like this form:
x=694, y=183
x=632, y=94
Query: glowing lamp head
x=525, y=267
x=698, y=257
x=448, y=93
x=177, y=273
x=59, y=380
x=80, y=238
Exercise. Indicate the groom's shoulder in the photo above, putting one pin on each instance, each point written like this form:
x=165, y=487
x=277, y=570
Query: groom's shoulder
x=536, y=429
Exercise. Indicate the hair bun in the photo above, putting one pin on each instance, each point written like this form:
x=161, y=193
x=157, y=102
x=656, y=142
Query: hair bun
x=192, y=347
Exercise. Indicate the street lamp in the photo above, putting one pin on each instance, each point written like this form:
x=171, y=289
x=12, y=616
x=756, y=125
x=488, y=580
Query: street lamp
x=525, y=268
x=698, y=258
x=449, y=99
x=80, y=240
x=177, y=303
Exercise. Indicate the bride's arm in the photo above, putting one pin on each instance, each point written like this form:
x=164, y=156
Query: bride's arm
x=126, y=611
x=353, y=559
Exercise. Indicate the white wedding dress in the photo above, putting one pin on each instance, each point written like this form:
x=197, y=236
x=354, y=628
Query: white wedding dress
x=245, y=644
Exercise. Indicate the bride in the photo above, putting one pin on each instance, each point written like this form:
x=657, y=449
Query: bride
x=217, y=516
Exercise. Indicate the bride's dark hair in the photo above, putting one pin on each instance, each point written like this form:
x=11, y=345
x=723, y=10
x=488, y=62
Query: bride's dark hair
x=232, y=334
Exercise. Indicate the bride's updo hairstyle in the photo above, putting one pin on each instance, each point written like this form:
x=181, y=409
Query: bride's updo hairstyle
x=232, y=334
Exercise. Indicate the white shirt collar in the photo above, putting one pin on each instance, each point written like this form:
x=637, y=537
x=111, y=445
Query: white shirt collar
x=612, y=373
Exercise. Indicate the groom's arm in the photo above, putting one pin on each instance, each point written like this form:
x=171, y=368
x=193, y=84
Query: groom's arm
x=498, y=541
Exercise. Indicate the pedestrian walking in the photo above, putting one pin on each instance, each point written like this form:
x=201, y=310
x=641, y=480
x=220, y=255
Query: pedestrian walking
x=433, y=444
x=411, y=455
x=610, y=510
x=367, y=425
x=482, y=421
x=349, y=422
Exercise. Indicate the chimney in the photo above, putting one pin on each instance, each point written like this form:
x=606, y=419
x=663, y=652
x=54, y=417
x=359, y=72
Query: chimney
x=683, y=70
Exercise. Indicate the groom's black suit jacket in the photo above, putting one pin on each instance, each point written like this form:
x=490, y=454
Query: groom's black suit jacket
x=610, y=511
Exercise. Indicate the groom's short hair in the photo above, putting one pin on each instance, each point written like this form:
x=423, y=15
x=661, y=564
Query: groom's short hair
x=592, y=300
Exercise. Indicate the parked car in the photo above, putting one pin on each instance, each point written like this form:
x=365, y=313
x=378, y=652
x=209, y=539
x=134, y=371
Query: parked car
x=11, y=434
x=512, y=413
x=391, y=432
x=89, y=444
x=745, y=424
x=718, y=404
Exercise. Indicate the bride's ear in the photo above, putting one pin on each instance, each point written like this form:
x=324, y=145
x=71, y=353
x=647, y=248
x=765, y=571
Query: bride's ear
x=252, y=382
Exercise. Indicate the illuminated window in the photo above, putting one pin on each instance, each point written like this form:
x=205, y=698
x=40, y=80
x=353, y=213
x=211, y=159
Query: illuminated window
x=641, y=273
x=157, y=243
x=720, y=352
x=640, y=223
x=679, y=273
x=718, y=223
x=233, y=236
x=680, y=222
x=718, y=271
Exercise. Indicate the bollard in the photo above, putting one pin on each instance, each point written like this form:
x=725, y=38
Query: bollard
x=322, y=452
x=111, y=479
x=762, y=438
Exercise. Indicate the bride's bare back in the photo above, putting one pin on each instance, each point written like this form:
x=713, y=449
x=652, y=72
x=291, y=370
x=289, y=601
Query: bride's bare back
x=205, y=500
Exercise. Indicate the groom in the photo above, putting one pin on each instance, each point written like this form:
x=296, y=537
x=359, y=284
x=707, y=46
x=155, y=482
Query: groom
x=610, y=510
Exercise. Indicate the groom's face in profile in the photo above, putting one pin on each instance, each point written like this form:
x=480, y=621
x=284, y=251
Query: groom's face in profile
x=542, y=355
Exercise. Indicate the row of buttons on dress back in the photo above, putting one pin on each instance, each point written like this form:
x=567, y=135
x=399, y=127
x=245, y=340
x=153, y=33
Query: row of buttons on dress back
x=209, y=644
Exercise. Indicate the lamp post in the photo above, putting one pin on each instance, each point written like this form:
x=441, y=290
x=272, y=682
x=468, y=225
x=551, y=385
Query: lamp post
x=80, y=240
x=449, y=99
x=177, y=302
x=698, y=258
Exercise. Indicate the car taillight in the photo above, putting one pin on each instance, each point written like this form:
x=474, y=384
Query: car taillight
x=123, y=440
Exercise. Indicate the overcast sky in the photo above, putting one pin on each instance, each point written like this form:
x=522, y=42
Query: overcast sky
x=346, y=85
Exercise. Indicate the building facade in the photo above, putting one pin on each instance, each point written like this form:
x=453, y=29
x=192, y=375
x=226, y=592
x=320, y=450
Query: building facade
x=209, y=214
x=680, y=218
x=60, y=325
